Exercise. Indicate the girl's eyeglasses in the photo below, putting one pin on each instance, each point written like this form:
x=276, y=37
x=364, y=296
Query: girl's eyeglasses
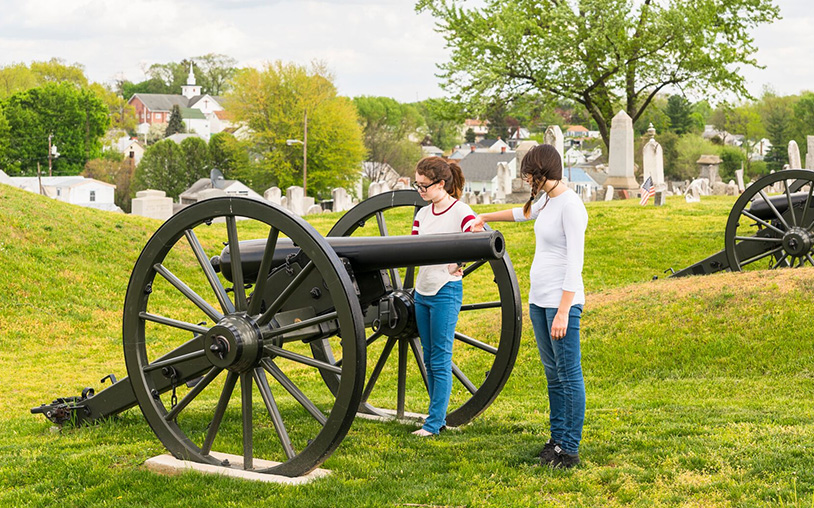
x=423, y=188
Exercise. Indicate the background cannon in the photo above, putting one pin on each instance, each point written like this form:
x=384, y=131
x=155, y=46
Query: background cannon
x=294, y=324
x=769, y=226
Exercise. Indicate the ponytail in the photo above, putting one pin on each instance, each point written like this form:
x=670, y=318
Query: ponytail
x=436, y=168
x=456, y=184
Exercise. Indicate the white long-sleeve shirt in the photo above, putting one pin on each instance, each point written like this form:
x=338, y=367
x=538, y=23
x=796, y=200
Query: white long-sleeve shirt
x=559, y=229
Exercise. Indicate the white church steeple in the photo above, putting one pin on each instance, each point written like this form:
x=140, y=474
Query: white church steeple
x=190, y=90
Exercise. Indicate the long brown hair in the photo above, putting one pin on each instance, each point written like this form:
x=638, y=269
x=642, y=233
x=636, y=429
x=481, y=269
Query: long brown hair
x=436, y=168
x=543, y=163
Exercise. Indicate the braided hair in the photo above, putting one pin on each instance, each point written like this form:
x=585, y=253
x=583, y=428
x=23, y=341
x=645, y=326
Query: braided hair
x=542, y=163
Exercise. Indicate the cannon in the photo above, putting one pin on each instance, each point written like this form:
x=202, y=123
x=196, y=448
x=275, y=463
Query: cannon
x=771, y=221
x=236, y=291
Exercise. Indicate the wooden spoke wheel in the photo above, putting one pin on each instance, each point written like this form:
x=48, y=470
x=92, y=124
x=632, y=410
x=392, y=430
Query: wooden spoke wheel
x=487, y=336
x=190, y=337
x=771, y=223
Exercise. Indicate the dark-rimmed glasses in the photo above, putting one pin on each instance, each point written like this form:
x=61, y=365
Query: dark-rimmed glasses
x=423, y=188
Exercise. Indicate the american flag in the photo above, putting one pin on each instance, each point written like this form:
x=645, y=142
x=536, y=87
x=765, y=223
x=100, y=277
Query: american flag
x=648, y=190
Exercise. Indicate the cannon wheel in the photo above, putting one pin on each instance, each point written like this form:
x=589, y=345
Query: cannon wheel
x=302, y=426
x=481, y=364
x=785, y=239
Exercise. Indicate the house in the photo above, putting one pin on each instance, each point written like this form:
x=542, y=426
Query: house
x=576, y=131
x=492, y=145
x=479, y=127
x=206, y=188
x=580, y=181
x=76, y=190
x=132, y=149
x=200, y=112
x=431, y=151
x=480, y=169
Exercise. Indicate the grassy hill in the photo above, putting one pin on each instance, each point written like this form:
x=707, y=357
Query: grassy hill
x=699, y=389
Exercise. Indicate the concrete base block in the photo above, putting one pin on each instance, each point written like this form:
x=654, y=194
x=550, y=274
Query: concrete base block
x=169, y=465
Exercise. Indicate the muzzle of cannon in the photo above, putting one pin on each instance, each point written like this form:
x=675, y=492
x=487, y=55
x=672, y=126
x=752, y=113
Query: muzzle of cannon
x=769, y=226
x=233, y=292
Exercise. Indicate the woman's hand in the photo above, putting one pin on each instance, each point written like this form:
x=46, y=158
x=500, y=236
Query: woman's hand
x=479, y=223
x=559, y=326
x=456, y=269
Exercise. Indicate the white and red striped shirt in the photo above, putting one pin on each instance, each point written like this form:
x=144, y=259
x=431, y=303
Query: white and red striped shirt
x=456, y=218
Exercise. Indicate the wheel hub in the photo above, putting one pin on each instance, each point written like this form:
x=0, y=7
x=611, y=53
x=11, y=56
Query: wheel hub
x=235, y=343
x=797, y=242
x=397, y=315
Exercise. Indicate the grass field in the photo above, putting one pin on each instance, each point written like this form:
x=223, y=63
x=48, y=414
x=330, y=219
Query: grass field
x=699, y=390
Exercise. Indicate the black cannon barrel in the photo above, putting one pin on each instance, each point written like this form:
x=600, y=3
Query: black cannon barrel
x=761, y=209
x=370, y=253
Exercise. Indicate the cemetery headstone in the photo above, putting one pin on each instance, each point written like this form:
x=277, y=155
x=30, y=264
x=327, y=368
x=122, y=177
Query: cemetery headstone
x=620, y=163
x=794, y=156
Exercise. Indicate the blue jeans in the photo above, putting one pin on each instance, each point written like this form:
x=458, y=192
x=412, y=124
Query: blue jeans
x=436, y=317
x=563, y=371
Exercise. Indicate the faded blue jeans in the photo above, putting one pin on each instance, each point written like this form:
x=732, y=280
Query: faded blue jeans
x=436, y=317
x=563, y=371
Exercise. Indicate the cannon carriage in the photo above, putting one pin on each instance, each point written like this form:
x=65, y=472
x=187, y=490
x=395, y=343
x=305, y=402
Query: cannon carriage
x=293, y=317
x=770, y=226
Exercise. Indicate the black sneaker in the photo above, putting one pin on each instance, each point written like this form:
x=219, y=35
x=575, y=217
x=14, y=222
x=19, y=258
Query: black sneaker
x=547, y=454
x=563, y=459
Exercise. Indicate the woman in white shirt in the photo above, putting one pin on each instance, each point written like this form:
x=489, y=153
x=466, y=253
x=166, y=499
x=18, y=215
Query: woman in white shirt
x=556, y=295
x=439, y=288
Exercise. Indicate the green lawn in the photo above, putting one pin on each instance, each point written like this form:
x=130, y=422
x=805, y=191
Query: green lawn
x=699, y=389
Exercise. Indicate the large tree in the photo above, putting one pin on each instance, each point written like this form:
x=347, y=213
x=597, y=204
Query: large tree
x=274, y=101
x=175, y=123
x=75, y=118
x=21, y=77
x=603, y=54
x=391, y=131
x=162, y=168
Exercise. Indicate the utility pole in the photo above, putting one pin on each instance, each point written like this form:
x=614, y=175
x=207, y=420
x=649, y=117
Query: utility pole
x=305, y=155
x=49, y=154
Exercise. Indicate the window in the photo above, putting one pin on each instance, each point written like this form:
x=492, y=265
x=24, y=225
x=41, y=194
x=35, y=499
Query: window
x=158, y=116
x=59, y=192
x=92, y=196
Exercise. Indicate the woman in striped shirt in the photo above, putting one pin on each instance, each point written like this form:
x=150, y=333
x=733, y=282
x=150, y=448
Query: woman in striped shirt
x=439, y=288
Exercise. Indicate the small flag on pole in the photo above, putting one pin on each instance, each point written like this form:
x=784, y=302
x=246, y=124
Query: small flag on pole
x=648, y=190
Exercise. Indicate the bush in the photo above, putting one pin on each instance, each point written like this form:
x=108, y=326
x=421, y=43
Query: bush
x=733, y=159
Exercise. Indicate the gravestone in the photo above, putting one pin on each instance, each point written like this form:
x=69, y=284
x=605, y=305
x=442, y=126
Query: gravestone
x=298, y=202
x=284, y=202
x=314, y=209
x=653, y=163
x=521, y=151
x=739, y=177
x=732, y=188
x=794, y=156
x=608, y=192
x=553, y=137
x=660, y=198
x=374, y=189
x=153, y=204
x=273, y=195
x=504, y=182
x=485, y=198
x=709, y=168
x=342, y=201
x=620, y=163
x=809, y=152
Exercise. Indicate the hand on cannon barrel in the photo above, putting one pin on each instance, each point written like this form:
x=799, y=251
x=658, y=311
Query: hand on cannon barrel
x=456, y=269
x=479, y=224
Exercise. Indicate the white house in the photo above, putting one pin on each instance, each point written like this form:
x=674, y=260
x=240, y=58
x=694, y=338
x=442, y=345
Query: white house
x=76, y=190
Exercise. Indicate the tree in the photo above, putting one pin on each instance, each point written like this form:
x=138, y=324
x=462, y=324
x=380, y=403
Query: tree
x=122, y=114
x=602, y=54
x=388, y=127
x=113, y=168
x=469, y=135
x=162, y=168
x=230, y=156
x=274, y=101
x=20, y=77
x=778, y=118
x=743, y=120
x=196, y=161
x=443, y=121
x=215, y=72
x=679, y=110
x=176, y=123
x=75, y=118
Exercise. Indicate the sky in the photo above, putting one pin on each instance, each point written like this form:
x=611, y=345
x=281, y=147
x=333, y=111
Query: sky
x=373, y=47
